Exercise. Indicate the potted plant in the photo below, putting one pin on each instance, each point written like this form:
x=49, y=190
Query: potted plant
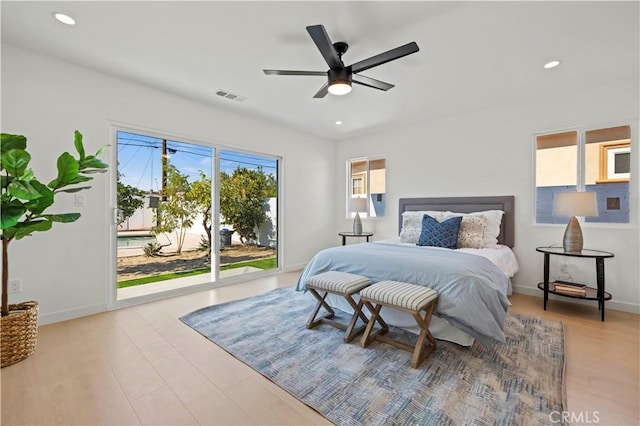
x=24, y=201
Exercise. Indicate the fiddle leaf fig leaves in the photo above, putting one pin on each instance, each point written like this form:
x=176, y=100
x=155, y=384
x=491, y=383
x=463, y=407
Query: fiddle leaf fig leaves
x=9, y=142
x=25, y=199
x=15, y=161
x=78, y=143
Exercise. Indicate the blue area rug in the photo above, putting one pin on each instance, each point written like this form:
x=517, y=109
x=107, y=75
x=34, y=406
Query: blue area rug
x=519, y=382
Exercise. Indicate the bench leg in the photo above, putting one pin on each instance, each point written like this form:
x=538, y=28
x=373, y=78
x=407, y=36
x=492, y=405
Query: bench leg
x=420, y=352
x=357, y=308
x=321, y=303
x=379, y=319
x=368, y=336
x=351, y=331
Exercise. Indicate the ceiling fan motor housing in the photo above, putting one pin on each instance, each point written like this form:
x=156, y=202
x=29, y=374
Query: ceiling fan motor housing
x=341, y=47
x=342, y=75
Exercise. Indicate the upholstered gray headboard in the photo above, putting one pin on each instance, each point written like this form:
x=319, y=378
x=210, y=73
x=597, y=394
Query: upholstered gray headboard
x=468, y=205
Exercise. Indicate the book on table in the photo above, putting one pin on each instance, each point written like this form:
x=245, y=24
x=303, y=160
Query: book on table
x=570, y=288
x=569, y=291
x=569, y=284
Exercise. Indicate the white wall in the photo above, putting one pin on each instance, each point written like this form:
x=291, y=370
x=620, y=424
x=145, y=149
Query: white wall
x=47, y=99
x=490, y=152
x=67, y=269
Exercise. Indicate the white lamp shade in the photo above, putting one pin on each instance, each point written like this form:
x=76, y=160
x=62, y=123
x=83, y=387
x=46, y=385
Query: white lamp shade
x=575, y=204
x=358, y=205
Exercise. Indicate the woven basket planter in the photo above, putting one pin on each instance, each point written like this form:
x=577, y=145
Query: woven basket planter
x=19, y=333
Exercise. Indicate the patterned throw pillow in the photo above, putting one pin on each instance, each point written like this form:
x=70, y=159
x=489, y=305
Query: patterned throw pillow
x=412, y=224
x=492, y=228
x=471, y=234
x=439, y=234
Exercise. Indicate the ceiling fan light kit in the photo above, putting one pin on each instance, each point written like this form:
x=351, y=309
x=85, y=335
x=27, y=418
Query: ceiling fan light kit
x=340, y=77
x=339, y=88
x=339, y=81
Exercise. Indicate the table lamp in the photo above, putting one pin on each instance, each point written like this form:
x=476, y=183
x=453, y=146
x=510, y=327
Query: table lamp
x=358, y=205
x=574, y=204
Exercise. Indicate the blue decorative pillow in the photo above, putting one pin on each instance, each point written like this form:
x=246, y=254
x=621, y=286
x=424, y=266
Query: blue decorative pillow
x=439, y=234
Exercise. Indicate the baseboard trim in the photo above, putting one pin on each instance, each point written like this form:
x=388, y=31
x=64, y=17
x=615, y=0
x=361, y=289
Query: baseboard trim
x=293, y=268
x=53, y=317
x=610, y=304
x=71, y=314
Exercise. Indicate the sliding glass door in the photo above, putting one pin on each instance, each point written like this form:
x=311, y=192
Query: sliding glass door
x=248, y=213
x=187, y=216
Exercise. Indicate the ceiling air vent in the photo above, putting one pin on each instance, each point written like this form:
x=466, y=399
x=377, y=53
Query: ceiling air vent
x=231, y=96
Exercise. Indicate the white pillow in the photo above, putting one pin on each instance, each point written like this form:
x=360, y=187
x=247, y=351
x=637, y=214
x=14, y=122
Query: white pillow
x=492, y=227
x=471, y=233
x=412, y=224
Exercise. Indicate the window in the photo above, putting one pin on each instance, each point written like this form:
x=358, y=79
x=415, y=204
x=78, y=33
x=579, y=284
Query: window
x=597, y=160
x=366, y=187
x=615, y=162
x=358, y=184
x=171, y=201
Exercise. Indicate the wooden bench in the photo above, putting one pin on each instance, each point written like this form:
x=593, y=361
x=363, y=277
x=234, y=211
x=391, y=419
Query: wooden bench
x=345, y=285
x=406, y=297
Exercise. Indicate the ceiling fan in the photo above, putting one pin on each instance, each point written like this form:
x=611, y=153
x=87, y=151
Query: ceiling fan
x=339, y=76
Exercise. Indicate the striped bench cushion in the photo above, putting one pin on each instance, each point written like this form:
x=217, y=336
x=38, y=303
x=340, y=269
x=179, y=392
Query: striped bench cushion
x=396, y=293
x=338, y=282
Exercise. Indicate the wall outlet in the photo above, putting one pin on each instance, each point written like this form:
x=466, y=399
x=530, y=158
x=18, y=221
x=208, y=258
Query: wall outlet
x=81, y=200
x=15, y=286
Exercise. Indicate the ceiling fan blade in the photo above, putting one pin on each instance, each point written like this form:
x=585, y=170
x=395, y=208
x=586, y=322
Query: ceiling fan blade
x=323, y=42
x=286, y=72
x=371, y=82
x=385, y=57
x=323, y=91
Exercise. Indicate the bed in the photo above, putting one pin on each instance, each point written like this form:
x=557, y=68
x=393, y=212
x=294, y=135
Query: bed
x=473, y=283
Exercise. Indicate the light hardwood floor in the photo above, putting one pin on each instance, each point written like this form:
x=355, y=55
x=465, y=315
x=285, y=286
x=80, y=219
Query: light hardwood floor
x=141, y=365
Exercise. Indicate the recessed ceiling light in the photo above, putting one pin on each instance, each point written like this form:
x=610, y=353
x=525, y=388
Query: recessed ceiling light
x=338, y=123
x=65, y=19
x=551, y=64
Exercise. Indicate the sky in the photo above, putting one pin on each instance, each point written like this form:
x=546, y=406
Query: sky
x=140, y=160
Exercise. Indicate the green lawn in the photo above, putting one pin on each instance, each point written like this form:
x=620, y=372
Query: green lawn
x=269, y=263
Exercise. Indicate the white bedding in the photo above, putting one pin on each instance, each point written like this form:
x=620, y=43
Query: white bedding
x=502, y=256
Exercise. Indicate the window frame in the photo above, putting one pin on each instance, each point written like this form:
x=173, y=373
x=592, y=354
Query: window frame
x=217, y=146
x=607, y=157
x=361, y=176
x=366, y=179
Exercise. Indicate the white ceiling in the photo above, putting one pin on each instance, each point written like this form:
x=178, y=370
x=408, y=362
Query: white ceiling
x=473, y=55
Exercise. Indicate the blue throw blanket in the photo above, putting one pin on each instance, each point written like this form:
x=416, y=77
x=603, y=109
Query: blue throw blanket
x=471, y=289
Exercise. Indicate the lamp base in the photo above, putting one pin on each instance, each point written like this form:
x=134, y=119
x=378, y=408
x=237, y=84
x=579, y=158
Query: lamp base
x=357, y=225
x=572, y=240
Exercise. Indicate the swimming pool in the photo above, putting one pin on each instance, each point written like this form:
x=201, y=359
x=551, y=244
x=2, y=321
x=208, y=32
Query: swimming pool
x=135, y=241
